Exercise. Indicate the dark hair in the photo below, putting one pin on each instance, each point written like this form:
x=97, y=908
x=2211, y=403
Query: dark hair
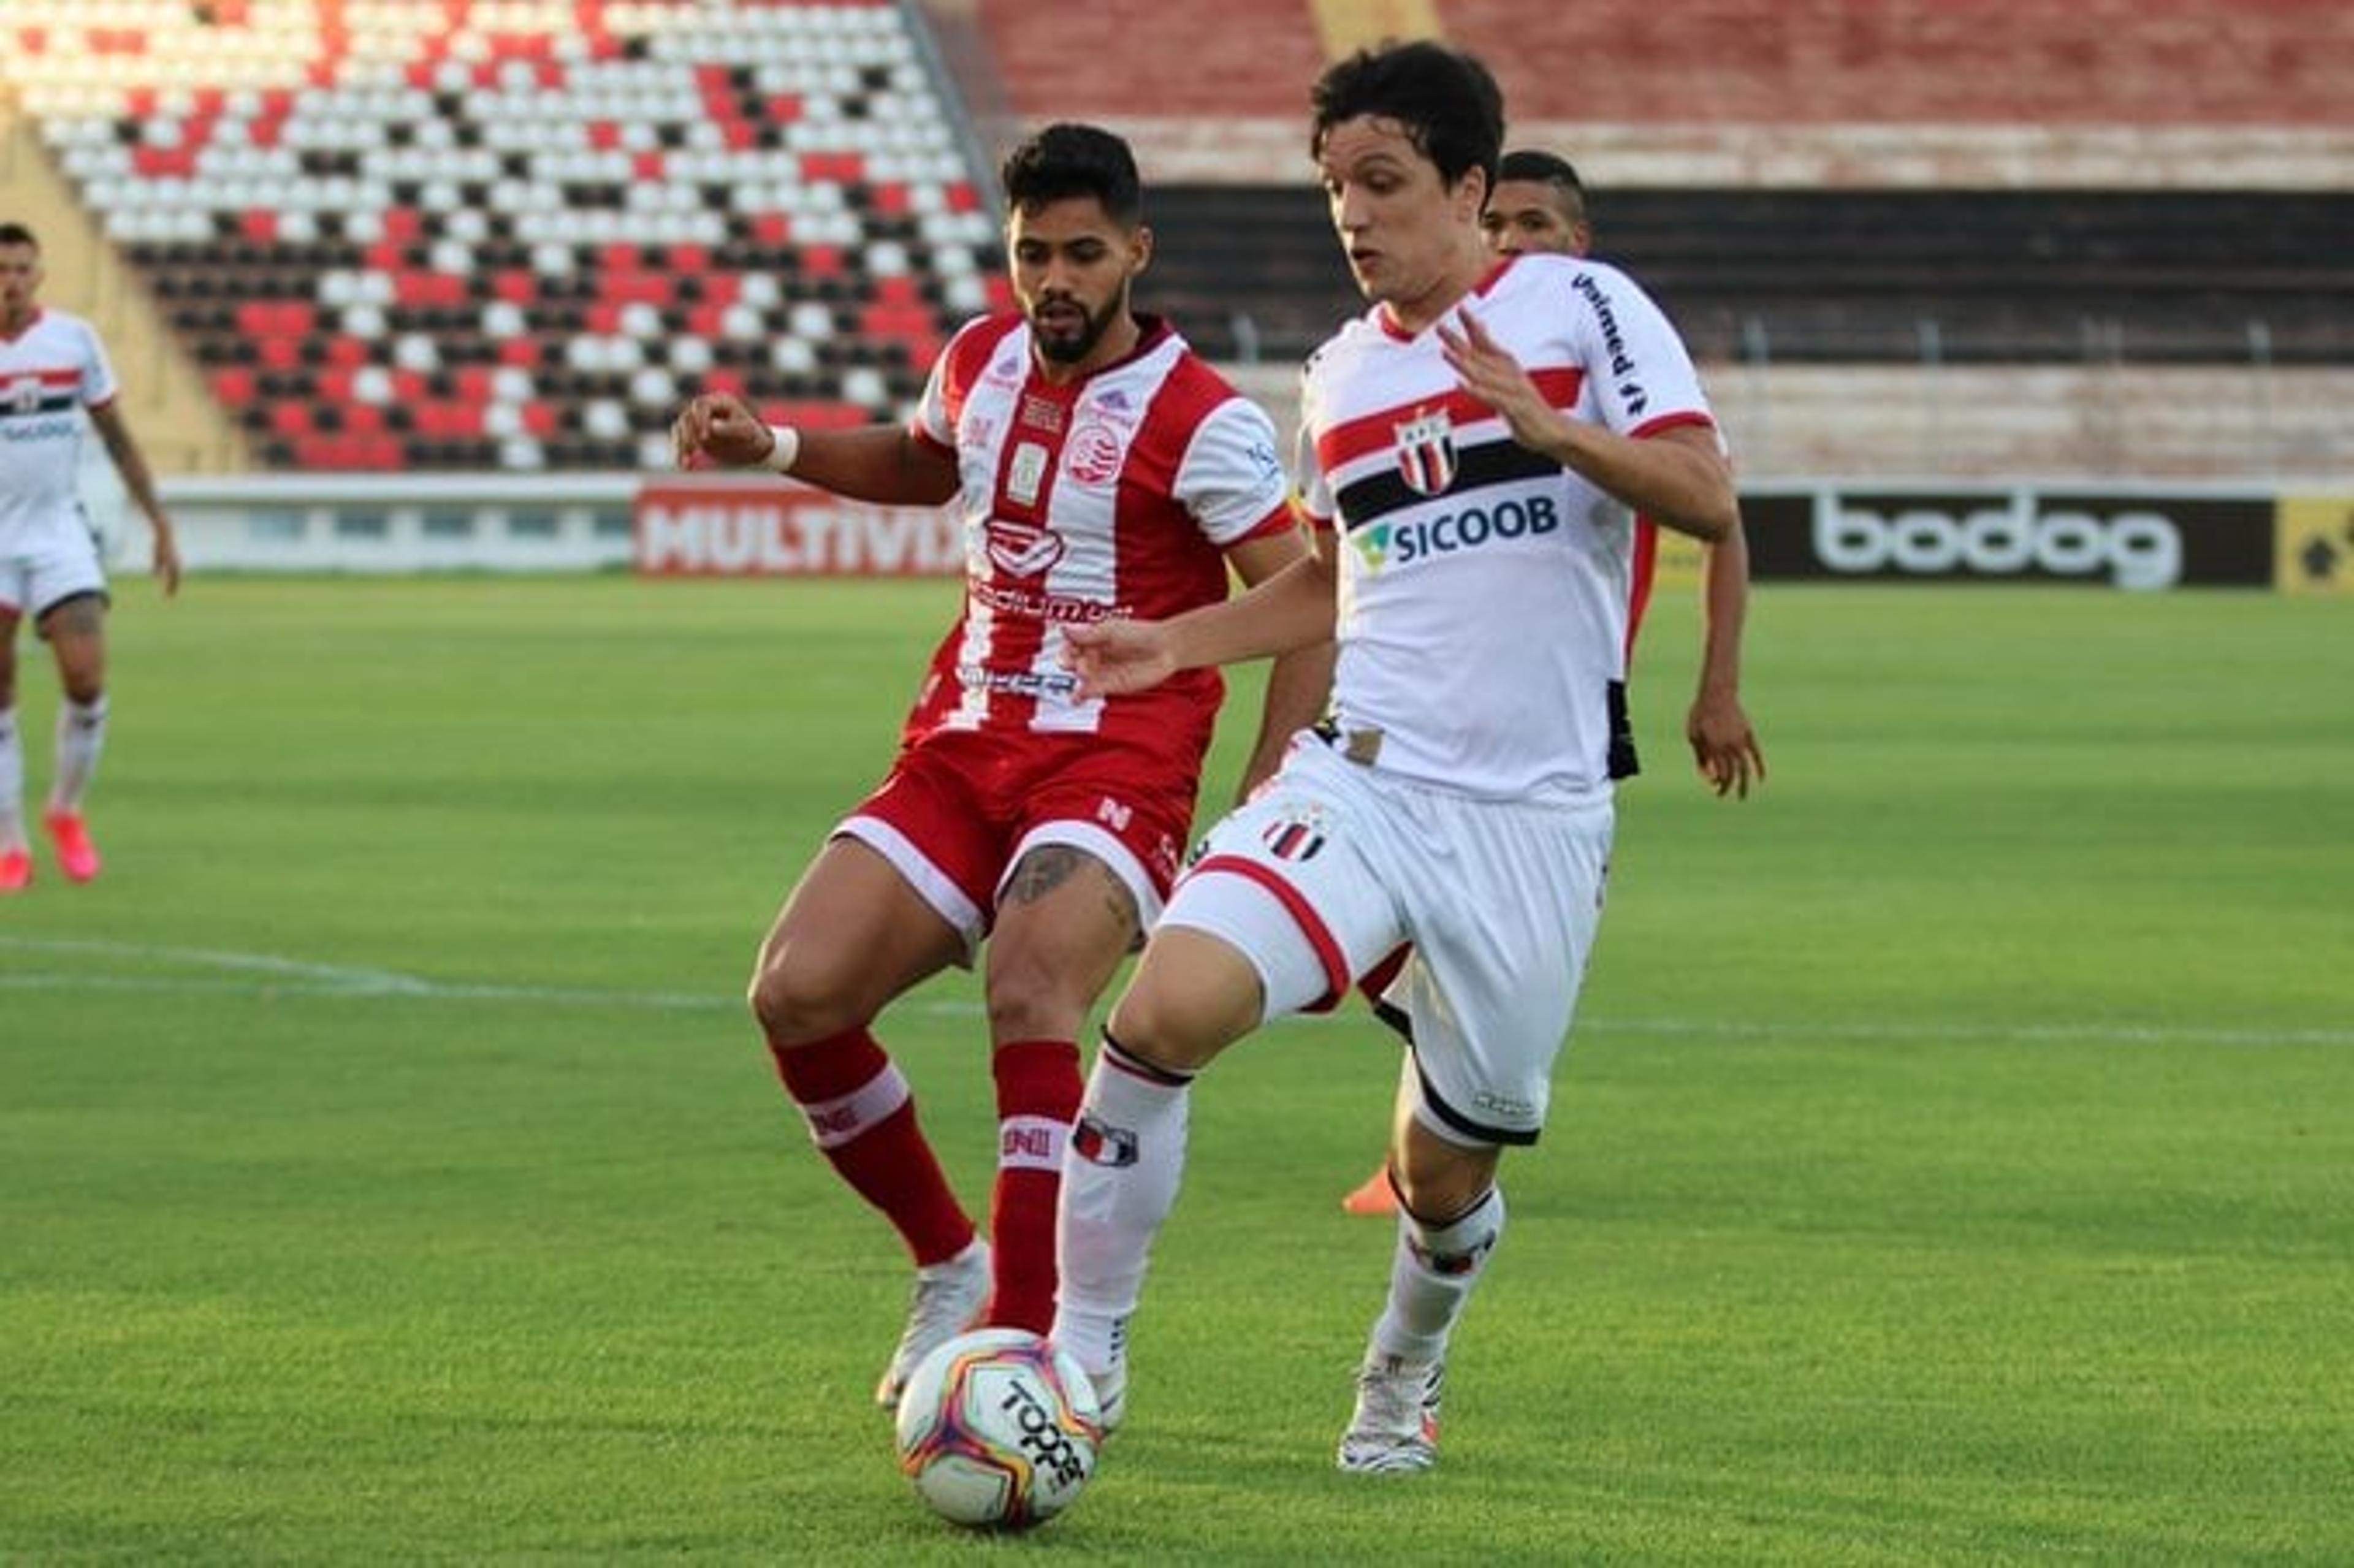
x=1068, y=160
x=1450, y=107
x=18, y=234
x=1543, y=168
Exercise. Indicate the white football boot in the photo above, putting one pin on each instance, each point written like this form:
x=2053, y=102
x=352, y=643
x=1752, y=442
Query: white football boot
x=1395, y=1427
x=947, y=1299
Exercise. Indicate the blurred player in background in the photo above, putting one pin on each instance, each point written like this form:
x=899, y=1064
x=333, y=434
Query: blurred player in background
x=1100, y=468
x=1480, y=442
x=52, y=367
x=1539, y=207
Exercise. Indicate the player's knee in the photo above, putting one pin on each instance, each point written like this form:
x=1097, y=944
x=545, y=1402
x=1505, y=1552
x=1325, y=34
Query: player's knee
x=1032, y=995
x=1437, y=1181
x=1181, y=1029
x=1033, y=1007
x=794, y=1007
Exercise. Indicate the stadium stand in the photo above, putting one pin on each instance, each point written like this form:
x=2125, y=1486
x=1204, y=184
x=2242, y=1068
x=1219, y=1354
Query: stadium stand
x=2000, y=238
x=461, y=235
x=1855, y=276
x=515, y=234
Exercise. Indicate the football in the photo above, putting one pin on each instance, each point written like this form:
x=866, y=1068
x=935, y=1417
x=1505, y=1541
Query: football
x=998, y=1429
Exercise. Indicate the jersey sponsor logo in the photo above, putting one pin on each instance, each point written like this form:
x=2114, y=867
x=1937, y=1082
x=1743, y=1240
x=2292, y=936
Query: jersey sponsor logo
x=1040, y=414
x=1631, y=394
x=1383, y=545
x=1093, y=454
x=1027, y=472
x=39, y=429
x=1115, y=814
x=1016, y=682
x=1023, y=549
x=1265, y=463
x=1425, y=453
x=1485, y=465
x=2132, y=549
x=1063, y=608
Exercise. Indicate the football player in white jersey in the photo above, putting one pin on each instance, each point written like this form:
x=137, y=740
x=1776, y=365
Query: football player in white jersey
x=1539, y=207
x=53, y=370
x=1100, y=468
x=1479, y=443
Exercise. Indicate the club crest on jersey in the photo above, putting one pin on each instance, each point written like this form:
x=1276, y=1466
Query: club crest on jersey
x=1092, y=454
x=1425, y=453
x=22, y=396
x=1023, y=549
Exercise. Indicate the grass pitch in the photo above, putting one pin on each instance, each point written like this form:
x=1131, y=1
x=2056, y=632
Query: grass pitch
x=1953, y=1164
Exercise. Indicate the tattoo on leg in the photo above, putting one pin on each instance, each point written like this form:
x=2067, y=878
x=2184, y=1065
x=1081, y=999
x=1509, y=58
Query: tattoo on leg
x=1041, y=872
x=1044, y=870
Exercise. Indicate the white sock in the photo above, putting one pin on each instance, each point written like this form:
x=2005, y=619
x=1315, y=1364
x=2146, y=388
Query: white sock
x=1119, y=1181
x=12, y=782
x=1431, y=1278
x=82, y=735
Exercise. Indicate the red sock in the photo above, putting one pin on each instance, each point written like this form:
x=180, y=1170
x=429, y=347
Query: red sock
x=1038, y=1089
x=863, y=1117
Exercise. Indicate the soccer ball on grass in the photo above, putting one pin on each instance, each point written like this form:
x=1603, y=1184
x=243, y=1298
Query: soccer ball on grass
x=998, y=1429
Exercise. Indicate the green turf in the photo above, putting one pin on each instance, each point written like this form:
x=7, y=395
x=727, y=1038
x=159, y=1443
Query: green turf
x=1954, y=1164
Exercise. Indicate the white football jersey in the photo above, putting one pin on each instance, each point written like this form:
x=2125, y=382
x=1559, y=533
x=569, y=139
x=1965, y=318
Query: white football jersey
x=49, y=374
x=1484, y=588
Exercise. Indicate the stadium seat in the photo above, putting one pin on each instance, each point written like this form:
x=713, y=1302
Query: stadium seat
x=402, y=188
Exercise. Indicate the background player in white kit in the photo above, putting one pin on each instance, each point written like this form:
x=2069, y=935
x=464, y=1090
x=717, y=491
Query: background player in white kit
x=1098, y=468
x=51, y=367
x=1483, y=439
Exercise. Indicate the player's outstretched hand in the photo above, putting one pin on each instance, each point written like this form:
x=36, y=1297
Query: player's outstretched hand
x=1724, y=745
x=721, y=428
x=1110, y=657
x=1489, y=373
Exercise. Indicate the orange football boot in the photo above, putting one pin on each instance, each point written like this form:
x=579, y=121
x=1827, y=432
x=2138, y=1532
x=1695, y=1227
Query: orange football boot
x=77, y=856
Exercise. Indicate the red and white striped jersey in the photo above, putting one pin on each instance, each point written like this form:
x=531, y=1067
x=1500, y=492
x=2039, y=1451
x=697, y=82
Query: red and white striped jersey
x=48, y=372
x=1115, y=495
x=1484, y=604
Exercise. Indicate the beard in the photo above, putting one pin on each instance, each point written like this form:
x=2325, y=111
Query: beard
x=1068, y=343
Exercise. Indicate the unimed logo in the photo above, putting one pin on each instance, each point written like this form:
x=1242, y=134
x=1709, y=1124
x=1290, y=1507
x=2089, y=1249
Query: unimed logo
x=2132, y=549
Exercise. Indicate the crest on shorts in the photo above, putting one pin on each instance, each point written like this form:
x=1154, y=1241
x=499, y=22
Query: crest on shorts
x=1425, y=453
x=1294, y=838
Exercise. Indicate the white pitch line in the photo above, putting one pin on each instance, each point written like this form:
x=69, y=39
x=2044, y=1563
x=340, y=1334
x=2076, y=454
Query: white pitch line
x=258, y=974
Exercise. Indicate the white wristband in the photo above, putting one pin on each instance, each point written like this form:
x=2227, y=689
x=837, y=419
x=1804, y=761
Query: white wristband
x=787, y=447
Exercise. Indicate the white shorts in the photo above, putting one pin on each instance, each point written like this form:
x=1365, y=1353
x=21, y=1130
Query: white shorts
x=1333, y=864
x=51, y=566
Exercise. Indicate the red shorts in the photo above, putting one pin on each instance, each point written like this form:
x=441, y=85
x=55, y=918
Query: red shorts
x=961, y=808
